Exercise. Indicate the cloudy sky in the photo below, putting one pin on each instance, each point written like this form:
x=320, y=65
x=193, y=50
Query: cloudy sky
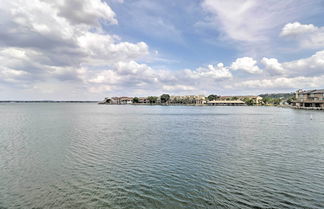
x=90, y=49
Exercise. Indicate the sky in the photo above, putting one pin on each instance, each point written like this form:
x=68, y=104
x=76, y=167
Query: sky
x=89, y=50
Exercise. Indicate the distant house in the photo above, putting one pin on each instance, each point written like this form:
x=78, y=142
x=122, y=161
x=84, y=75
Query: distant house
x=143, y=100
x=114, y=100
x=226, y=103
x=188, y=99
x=125, y=100
x=119, y=100
x=200, y=99
x=311, y=99
x=255, y=99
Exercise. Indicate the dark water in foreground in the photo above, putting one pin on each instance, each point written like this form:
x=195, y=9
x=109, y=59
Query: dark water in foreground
x=92, y=156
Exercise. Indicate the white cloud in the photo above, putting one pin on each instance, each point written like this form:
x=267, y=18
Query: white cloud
x=246, y=64
x=103, y=49
x=38, y=39
x=310, y=66
x=84, y=11
x=252, y=26
x=252, y=20
x=283, y=83
x=296, y=28
x=307, y=36
x=217, y=72
x=272, y=66
x=11, y=75
x=139, y=77
x=46, y=50
x=287, y=76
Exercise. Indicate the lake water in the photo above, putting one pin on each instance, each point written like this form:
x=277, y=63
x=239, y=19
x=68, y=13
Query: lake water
x=101, y=156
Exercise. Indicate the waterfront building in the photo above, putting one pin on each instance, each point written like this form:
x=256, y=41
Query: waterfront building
x=118, y=100
x=188, y=99
x=311, y=99
x=226, y=103
x=256, y=99
x=143, y=100
x=200, y=99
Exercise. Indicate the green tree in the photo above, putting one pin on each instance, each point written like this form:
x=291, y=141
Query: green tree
x=212, y=97
x=290, y=100
x=266, y=100
x=135, y=100
x=165, y=98
x=152, y=99
x=276, y=101
x=249, y=101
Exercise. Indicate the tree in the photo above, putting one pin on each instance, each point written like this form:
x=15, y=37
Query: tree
x=271, y=101
x=276, y=101
x=165, y=98
x=290, y=100
x=249, y=101
x=152, y=99
x=135, y=100
x=212, y=97
x=266, y=100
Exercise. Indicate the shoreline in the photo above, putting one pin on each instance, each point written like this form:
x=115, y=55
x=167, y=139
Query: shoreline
x=146, y=104
x=45, y=101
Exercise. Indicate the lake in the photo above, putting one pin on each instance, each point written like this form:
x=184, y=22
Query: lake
x=105, y=156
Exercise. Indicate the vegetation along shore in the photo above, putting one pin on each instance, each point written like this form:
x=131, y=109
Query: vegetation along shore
x=311, y=99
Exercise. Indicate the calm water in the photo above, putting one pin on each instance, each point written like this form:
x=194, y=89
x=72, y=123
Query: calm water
x=92, y=156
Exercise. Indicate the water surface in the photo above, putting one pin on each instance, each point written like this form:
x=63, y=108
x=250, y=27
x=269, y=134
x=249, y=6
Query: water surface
x=101, y=156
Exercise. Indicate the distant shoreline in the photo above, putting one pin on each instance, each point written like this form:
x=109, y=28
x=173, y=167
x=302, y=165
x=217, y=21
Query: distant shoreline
x=45, y=101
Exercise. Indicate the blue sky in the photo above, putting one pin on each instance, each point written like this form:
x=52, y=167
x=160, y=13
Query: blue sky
x=87, y=50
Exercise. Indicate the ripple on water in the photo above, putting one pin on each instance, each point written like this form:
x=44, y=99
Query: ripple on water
x=89, y=156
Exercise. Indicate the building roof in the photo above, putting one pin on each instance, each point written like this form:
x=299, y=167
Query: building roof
x=241, y=97
x=122, y=98
x=125, y=98
x=315, y=91
x=226, y=102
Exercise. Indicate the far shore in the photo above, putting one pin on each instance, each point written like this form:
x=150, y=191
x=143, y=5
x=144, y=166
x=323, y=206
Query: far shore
x=44, y=101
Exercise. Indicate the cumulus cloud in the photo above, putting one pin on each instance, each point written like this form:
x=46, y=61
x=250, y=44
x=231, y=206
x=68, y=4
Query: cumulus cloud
x=283, y=83
x=48, y=48
x=308, y=67
x=84, y=12
x=272, y=66
x=45, y=42
x=103, y=49
x=216, y=72
x=307, y=35
x=246, y=64
x=286, y=76
x=311, y=66
x=297, y=28
x=135, y=76
x=37, y=28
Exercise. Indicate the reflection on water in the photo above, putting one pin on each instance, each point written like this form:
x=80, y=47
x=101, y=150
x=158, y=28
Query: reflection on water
x=92, y=156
